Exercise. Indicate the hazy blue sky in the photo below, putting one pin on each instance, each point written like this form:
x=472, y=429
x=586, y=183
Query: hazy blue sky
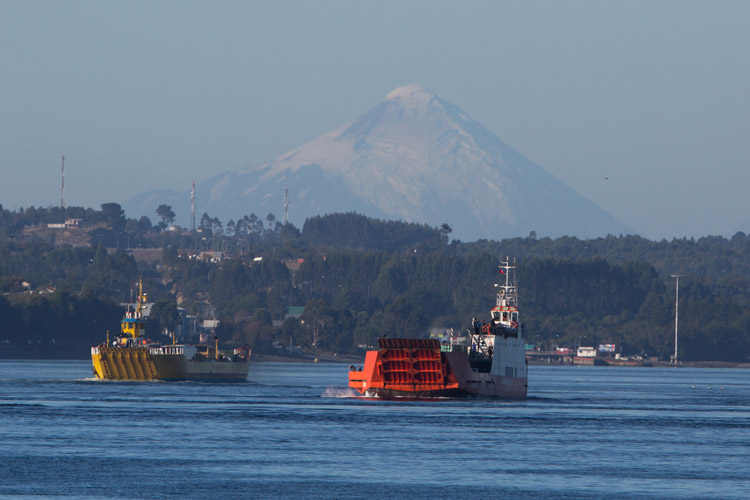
x=654, y=95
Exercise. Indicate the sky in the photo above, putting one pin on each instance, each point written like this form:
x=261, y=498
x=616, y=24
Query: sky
x=642, y=107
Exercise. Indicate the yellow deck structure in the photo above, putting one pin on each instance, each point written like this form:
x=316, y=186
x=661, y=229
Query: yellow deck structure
x=132, y=357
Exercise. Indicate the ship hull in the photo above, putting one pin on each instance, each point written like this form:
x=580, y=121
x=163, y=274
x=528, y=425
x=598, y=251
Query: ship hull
x=498, y=387
x=214, y=372
x=486, y=387
x=136, y=363
x=505, y=388
x=417, y=369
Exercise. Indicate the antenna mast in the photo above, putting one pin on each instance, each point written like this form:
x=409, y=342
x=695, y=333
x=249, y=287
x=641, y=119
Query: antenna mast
x=192, y=206
x=62, y=184
x=286, y=205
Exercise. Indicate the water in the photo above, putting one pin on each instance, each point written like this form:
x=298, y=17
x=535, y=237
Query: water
x=295, y=431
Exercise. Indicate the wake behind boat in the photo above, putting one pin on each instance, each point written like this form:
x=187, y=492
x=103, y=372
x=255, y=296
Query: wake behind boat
x=132, y=356
x=490, y=362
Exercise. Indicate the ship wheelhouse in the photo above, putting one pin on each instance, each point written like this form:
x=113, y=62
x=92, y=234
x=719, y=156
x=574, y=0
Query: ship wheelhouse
x=132, y=327
x=505, y=315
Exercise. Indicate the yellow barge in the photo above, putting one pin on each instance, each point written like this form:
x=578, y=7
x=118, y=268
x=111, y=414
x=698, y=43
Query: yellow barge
x=133, y=357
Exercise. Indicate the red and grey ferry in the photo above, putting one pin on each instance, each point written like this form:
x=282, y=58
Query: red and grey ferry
x=489, y=362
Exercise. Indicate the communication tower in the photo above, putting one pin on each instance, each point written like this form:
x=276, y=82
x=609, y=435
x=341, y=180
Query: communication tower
x=286, y=205
x=62, y=184
x=192, y=205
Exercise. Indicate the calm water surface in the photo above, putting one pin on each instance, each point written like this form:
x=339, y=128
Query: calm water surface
x=295, y=431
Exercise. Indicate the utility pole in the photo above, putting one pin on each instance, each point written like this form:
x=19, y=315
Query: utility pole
x=676, y=312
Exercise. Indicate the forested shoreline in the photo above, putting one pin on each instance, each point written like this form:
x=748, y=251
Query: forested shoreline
x=358, y=278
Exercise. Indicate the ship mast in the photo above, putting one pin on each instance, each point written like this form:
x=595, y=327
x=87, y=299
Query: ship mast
x=507, y=294
x=139, y=304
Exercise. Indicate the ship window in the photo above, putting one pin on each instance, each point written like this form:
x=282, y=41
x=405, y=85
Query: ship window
x=515, y=316
x=505, y=316
x=496, y=315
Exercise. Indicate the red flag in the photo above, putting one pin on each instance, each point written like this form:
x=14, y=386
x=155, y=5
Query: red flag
x=501, y=271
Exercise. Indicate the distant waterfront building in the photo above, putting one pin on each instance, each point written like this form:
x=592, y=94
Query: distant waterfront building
x=586, y=352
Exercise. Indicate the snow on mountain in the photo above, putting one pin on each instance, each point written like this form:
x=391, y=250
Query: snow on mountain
x=412, y=157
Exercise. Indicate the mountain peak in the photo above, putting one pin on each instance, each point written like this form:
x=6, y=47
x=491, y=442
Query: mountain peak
x=412, y=157
x=411, y=95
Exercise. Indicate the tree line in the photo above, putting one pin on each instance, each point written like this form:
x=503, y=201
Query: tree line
x=359, y=278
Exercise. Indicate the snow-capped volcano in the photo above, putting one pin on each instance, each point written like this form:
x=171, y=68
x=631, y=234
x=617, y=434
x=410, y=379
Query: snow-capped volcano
x=412, y=157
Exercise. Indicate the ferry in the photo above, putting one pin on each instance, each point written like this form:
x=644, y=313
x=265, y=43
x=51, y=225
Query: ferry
x=490, y=361
x=131, y=356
